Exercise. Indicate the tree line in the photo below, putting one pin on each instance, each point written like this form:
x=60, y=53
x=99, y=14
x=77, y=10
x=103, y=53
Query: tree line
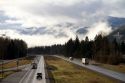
x=12, y=48
x=101, y=49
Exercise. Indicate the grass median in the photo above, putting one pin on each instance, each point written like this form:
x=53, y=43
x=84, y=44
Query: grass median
x=64, y=72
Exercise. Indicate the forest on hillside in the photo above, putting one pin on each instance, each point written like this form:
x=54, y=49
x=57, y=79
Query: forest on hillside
x=12, y=48
x=100, y=49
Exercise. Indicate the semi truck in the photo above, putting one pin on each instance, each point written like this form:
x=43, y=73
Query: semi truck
x=85, y=61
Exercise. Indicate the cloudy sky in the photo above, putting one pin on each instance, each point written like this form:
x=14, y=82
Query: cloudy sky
x=47, y=22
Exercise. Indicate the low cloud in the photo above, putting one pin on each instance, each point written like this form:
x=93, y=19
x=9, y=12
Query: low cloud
x=35, y=40
x=19, y=15
x=32, y=13
x=97, y=28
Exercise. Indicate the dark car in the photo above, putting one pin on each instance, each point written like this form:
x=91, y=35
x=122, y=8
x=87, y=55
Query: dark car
x=34, y=66
x=39, y=76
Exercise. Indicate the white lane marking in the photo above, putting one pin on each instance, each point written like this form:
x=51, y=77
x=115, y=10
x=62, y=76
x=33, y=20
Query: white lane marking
x=21, y=81
x=43, y=69
x=40, y=69
x=28, y=77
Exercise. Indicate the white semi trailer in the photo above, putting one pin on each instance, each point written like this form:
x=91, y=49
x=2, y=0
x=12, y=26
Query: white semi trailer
x=85, y=61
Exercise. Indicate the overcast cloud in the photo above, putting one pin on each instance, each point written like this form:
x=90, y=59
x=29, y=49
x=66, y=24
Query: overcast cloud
x=17, y=15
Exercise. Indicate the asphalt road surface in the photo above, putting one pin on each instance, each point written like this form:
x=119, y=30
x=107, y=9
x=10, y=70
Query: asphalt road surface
x=30, y=76
x=106, y=72
x=15, y=78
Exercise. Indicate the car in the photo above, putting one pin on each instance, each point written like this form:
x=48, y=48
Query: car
x=34, y=66
x=39, y=76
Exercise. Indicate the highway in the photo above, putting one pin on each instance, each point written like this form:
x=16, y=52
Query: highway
x=30, y=76
x=106, y=72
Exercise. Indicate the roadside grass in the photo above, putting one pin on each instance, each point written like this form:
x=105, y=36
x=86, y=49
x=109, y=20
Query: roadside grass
x=13, y=63
x=66, y=72
x=117, y=68
x=5, y=74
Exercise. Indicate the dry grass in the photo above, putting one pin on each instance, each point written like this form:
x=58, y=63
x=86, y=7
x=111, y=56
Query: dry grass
x=12, y=64
x=5, y=74
x=118, y=68
x=65, y=72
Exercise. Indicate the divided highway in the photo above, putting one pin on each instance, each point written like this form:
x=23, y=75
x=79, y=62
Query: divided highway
x=30, y=76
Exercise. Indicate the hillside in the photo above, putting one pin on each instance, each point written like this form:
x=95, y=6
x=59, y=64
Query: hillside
x=120, y=30
x=116, y=21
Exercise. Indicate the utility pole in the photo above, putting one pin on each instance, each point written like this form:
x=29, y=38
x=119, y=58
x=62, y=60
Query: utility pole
x=2, y=61
x=2, y=57
x=17, y=58
x=2, y=67
x=17, y=64
x=118, y=37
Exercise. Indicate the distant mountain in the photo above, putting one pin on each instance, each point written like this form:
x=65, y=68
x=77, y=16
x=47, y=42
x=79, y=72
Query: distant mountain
x=58, y=30
x=82, y=30
x=64, y=29
x=32, y=31
x=116, y=21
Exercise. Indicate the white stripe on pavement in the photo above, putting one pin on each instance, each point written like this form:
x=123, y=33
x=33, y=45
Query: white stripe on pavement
x=40, y=69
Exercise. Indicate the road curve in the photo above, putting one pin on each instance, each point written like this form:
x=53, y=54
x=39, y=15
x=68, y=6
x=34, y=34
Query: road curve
x=106, y=72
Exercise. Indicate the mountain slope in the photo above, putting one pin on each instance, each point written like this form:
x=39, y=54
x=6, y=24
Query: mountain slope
x=120, y=31
x=116, y=21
